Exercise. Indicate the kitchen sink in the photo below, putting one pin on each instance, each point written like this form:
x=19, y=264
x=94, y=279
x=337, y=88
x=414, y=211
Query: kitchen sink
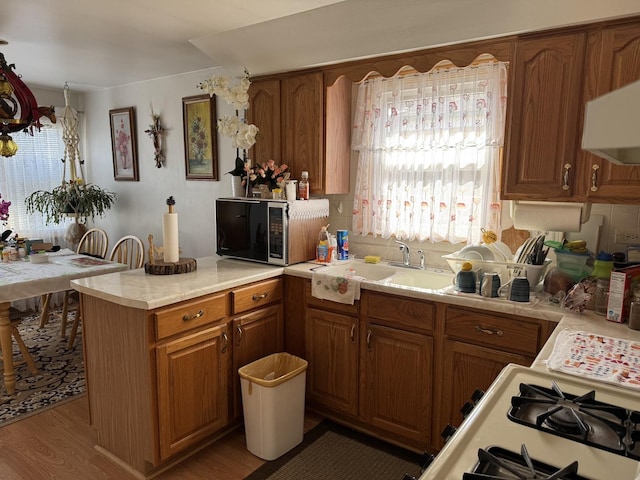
x=370, y=271
x=434, y=279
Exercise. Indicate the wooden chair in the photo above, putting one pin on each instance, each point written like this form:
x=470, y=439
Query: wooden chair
x=95, y=243
x=128, y=250
x=15, y=317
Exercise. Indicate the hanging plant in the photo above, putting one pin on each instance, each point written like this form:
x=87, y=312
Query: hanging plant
x=74, y=198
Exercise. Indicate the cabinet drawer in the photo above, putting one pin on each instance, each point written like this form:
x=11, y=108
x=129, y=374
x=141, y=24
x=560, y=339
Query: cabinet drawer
x=256, y=295
x=328, y=305
x=396, y=311
x=191, y=314
x=508, y=334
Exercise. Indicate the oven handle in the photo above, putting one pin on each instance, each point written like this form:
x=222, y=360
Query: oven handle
x=488, y=331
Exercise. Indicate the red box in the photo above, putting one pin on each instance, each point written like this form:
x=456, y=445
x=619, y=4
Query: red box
x=620, y=284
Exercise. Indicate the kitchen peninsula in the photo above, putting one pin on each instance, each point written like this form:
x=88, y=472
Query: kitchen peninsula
x=162, y=351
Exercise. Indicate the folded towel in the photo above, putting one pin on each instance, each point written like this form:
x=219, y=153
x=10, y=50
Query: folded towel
x=341, y=289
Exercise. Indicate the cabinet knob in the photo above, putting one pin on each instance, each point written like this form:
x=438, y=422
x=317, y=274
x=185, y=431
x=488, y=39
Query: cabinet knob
x=188, y=317
x=353, y=333
x=225, y=339
x=239, y=330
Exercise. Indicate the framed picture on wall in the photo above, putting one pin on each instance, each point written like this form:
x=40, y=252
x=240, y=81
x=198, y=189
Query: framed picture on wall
x=123, y=144
x=200, y=139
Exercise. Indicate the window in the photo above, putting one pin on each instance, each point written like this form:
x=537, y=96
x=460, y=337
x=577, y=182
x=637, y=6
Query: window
x=36, y=166
x=429, y=147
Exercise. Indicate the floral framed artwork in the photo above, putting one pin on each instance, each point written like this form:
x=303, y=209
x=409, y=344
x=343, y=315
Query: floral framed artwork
x=200, y=140
x=123, y=144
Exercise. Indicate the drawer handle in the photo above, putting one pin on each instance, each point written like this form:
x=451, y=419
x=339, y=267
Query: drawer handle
x=186, y=317
x=259, y=297
x=225, y=339
x=488, y=331
x=353, y=333
x=369, y=334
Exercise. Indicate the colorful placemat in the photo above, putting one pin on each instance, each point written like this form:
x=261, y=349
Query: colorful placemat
x=607, y=359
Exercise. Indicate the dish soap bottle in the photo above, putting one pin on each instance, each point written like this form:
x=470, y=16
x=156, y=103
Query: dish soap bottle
x=322, y=250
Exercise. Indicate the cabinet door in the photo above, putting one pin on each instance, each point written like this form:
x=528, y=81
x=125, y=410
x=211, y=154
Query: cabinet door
x=397, y=386
x=264, y=113
x=332, y=353
x=613, y=61
x=545, y=100
x=255, y=335
x=467, y=368
x=302, y=133
x=193, y=401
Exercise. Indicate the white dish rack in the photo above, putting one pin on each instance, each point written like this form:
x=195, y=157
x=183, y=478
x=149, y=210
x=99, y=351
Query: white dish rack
x=506, y=270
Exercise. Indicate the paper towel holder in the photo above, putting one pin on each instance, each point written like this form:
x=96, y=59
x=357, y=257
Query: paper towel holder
x=585, y=211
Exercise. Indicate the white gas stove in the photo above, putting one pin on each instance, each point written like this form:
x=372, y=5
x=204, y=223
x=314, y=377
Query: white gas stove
x=489, y=427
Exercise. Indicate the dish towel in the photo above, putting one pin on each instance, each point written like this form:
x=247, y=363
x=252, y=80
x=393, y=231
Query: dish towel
x=337, y=288
x=607, y=359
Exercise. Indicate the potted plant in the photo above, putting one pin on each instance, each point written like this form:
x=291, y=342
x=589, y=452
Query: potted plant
x=74, y=198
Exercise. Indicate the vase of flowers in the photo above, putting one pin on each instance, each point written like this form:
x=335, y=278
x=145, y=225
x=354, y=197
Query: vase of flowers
x=268, y=174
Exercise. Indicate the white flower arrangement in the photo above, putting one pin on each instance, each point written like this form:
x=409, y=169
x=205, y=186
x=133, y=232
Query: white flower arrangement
x=243, y=135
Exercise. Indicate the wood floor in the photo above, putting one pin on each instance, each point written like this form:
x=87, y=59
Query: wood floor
x=58, y=444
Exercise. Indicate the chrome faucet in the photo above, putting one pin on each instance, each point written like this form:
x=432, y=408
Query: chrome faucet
x=406, y=262
x=404, y=248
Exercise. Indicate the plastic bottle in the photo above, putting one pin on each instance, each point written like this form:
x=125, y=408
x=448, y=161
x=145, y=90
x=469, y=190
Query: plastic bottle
x=322, y=249
x=602, y=266
x=303, y=186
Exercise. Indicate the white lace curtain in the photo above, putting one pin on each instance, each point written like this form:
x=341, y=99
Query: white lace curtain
x=429, y=147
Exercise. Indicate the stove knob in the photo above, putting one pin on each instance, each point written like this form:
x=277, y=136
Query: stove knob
x=427, y=459
x=477, y=395
x=408, y=477
x=466, y=409
x=448, y=432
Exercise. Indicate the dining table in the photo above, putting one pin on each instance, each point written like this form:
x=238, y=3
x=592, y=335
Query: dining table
x=22, y=279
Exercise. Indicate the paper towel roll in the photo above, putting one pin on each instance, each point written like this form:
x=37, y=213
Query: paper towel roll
x=170, y=237
x=548, y=216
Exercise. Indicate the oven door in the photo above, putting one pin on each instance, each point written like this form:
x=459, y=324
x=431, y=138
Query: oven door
x=242, y=229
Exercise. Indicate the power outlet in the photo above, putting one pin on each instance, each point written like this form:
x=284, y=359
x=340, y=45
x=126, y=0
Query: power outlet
x=627, y=237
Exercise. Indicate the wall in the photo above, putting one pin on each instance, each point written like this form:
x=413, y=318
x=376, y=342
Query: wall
x=140, y=205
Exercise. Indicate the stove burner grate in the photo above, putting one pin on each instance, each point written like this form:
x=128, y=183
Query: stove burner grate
x=579, y=418
x=497, y=463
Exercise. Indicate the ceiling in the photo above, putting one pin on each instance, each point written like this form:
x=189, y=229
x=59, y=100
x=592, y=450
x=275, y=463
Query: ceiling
x=97, y=44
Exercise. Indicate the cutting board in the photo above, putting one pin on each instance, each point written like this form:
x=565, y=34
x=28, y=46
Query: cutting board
x=589, y=232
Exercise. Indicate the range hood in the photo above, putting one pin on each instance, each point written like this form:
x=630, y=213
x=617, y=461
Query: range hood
x=611, y=127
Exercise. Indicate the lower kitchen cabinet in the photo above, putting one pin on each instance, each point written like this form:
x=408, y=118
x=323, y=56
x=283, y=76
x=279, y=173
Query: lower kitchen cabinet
x=255, y=335
x=477, y=345
x=373, y=370
x=161, y=382
x=332, y=356
x=193, y=371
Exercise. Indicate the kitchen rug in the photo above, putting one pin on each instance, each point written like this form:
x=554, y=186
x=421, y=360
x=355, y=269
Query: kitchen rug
x=330, y=451
x=60, y=374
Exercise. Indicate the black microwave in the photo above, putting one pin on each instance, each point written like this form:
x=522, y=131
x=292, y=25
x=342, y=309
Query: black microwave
x=253, y=229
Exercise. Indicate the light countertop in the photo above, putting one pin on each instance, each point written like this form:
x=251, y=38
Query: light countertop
x=137, y=289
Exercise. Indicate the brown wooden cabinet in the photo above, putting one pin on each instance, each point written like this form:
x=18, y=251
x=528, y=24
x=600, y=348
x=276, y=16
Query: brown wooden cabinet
x=258, y=326
x=545, y=95
x=332, y=353
x=613, y=61
x=193, y=373
x=306, y=125
x=477, y=345
x=373, y=370
x=162, y=382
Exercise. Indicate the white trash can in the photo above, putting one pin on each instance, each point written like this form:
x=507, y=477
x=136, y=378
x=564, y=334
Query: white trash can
x=273, y=404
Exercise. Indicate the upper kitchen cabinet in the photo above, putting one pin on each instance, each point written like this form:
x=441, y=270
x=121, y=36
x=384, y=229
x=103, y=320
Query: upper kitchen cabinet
x=305, y=124
x=613, y=61
x=545, y=100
